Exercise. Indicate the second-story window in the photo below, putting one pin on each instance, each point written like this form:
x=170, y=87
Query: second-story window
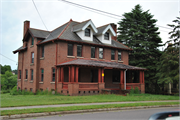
x=42, y=51
x=31, y=74
x=79, y=50
x=112, y=54
x=106, y=36
x=87, y=32
x=26, y=77
x=32, y=57
x=92, y=52
x=32, y=42
x=53, y=74
x=119, y=55
x=42, y=75
x=100, y=53
x=70, y=49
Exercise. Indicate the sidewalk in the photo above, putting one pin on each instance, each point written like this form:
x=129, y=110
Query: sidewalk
x=81, y=104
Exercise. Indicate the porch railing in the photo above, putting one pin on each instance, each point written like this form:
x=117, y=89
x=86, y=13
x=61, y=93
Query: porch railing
x=88, y=86
x=129, y=85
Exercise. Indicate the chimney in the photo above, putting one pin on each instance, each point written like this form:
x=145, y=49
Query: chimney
x=26, y=26
x=114, y=26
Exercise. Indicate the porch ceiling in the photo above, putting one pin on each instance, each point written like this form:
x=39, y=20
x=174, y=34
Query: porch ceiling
x=96, y=63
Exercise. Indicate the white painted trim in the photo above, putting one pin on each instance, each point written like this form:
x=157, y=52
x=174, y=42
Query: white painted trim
x=92, y=25
x=111, y=30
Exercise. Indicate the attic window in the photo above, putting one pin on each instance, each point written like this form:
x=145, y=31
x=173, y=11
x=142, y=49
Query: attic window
x=106, y=36
x=87, y=32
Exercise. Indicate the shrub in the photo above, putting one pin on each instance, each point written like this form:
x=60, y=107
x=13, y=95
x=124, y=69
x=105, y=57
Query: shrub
x=136, y=90
x=131, y=90
x=14, y=91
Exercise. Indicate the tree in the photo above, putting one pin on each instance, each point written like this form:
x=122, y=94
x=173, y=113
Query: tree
x=8, y=80
x=138, y=31
x=5, y=68
x=168, y=66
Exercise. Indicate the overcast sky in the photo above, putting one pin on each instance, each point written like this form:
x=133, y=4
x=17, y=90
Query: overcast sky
x=55, y=13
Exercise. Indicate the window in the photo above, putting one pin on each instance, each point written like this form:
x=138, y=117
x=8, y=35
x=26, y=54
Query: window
x=42, y=51
x=31, y=74
x=112, y=54
x=31, y=89
x=119, y=55
x=93, y=52
x=87, y=32
x=42, y=75
x=53, y=74
x=70, y=49
x=32, y=42
x=26, y=77
x=106, y=36
x=32, y=57
x=100, y=53
x=19, y=74
x=79, y=50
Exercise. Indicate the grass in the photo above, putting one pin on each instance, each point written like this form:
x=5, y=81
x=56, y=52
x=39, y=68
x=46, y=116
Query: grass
x=72, y=108
x=8, y=100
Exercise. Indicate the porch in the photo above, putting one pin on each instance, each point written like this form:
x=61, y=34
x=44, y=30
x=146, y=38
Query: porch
x=89, y=79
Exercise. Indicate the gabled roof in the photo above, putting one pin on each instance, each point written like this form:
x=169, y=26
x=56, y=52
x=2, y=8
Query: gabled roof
x=104, y=29
x=39, y=33
x=97, y=63
x=84, y=25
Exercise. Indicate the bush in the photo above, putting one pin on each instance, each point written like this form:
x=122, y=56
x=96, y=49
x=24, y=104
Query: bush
x=14, y=91
x=131, y=90
x=136, y=90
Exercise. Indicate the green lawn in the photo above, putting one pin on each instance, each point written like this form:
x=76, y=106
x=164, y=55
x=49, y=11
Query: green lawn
x=72, y=108
x=29, y=100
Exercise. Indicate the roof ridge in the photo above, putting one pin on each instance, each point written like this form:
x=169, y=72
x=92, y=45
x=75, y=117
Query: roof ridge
x=82, y=22
x=40, y=29
x=103, y=26
x=65, y=28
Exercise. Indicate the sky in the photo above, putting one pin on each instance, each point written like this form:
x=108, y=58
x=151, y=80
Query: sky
x=54, y=13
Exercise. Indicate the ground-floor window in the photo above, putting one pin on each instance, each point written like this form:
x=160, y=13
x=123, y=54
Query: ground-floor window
x=116, y=76
x=132, y=76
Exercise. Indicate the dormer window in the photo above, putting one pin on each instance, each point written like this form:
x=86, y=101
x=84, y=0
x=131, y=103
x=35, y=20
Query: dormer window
x=106, y=36
x=87, y=32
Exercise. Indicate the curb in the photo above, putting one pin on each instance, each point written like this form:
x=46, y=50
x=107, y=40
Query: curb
x=79, y=111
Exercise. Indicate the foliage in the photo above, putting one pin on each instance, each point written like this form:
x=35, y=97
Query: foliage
x=8, y=81
x=131, y=90
x=8, y=100
x=168, y=66
x=136, y=90
x=138, y=31
x=175, y=33
x=15, y=71
x=5, y=68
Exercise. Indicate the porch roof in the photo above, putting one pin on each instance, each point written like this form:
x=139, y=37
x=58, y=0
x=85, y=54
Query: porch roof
x=97, y=63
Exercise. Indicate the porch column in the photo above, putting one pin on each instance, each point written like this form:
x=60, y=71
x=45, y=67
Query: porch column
x=59, y=75
x=69, y=74
x=72, y=74
x=77, y=74
x=140, y=77
x=99, y=75
x=121, y=79
x=62, y=74
x=102, y=74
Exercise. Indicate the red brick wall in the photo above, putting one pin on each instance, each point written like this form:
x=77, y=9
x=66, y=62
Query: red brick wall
x=49, y=61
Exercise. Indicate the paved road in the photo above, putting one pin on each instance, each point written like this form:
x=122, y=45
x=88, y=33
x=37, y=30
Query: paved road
x=135, y=114
x=83, y=104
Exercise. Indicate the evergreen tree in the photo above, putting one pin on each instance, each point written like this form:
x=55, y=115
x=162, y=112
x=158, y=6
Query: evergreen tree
x=168, y=66
x=138, y=31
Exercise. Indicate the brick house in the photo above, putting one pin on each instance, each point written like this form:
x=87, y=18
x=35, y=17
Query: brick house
x=76, y=58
